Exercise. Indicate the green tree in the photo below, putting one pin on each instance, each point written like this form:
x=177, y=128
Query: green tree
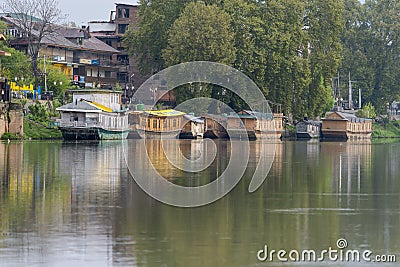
x=202, y=32
x=36, y=19
x=368, y=111
x=150, y=37
x=324, y=23
x=287, y=71
x=17, y=65
x=382, y=27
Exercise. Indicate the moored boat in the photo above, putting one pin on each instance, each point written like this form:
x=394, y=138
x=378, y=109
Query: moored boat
x=157, y=124
x=308, y=129
x=94, y=115
x=340, y=125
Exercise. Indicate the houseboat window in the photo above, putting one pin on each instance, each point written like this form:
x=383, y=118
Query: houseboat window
x=155, y=122
x=165, y=124
x=148, y=123
x=174, y=123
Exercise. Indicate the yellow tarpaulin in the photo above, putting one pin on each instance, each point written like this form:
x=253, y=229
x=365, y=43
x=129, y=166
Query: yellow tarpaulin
x=165, y=113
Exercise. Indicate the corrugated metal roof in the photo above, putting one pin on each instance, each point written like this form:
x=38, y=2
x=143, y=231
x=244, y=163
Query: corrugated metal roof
x=79, y=106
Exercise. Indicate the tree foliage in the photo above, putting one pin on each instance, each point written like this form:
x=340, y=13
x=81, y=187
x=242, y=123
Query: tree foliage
x=291, y=49
x=36, y=19
x=150, y=37
x=201, y=33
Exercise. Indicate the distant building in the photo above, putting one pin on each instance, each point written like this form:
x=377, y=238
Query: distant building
x=81, y=56
x=112, y=32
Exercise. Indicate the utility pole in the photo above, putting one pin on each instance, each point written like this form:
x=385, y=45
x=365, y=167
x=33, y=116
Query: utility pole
x=351, y=106
x=350, y=94
x=45, y=74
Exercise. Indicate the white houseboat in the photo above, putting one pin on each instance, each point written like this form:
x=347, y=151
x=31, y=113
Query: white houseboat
x=94, y=115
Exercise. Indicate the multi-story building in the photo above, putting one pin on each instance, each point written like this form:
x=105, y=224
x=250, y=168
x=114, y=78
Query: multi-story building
x=112, y=32
x=83, y=57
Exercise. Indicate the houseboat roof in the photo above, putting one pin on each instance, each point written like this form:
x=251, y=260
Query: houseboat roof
x=345, y=116
x=249, y=114
x=79, y=106
x=310, y=122
x=193, y=118
x=164, y=113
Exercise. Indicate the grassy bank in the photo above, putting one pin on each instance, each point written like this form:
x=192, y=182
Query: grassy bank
x=37, y=131
x=386, y=130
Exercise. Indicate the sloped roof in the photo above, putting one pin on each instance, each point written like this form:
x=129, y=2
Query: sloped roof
x=55, y=39
x=79, y=106
x=95, y=44
x=346, y=117
x=61, y=36
x=193, y=118
x=249, y=114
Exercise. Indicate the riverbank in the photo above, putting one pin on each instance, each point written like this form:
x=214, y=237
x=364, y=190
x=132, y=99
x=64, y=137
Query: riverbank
x=37, y=131
x=386, y=130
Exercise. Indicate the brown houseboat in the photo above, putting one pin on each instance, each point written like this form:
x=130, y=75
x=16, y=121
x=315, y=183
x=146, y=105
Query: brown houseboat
x=154, y=124
x=340, y=125
x=257, y=125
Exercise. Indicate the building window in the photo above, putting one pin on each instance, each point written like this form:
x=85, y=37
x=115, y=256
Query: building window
x=123, y=13
x=122, y=28
x=107, y=74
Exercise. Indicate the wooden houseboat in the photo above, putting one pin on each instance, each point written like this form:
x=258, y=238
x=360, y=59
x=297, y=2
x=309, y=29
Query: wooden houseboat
x=193, y=127
x=257, y=125
x=215, y=126
x=308, y=129
x=154, y=124
x=93, y=115
x=340, y=125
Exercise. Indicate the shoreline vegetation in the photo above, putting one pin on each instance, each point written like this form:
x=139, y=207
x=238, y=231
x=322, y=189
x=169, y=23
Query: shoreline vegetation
x=386, y=130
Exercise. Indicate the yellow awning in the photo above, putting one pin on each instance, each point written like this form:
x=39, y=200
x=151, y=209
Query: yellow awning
x=98, y=105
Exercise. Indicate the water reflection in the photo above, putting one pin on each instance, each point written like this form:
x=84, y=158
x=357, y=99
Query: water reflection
x=68, y=203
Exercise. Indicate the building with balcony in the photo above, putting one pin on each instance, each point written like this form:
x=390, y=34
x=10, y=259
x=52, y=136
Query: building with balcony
x=112, y=32
x=83, y=57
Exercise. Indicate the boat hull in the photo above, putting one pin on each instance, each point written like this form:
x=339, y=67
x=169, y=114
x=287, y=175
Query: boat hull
x=92, y=133
x=306, y=135
x=158, y=135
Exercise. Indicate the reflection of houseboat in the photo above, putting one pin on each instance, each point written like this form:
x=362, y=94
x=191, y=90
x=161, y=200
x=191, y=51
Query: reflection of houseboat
x=257, y=125
x=160, y=123
x=215, y=126
x=193, y=127
x=339, y=125
x=93, y=115
x=308, y=129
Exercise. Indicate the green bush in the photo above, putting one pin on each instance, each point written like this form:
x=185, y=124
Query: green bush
x=10, y=136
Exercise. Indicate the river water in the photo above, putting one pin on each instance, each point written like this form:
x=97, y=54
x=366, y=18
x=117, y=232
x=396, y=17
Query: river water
x=77, y=204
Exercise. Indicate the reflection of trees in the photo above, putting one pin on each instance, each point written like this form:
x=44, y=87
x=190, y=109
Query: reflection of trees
x=81, y=190
x=299, y=206
x=48, y=188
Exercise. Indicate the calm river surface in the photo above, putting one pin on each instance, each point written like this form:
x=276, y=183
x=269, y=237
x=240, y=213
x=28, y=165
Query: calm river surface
x=76, y=204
